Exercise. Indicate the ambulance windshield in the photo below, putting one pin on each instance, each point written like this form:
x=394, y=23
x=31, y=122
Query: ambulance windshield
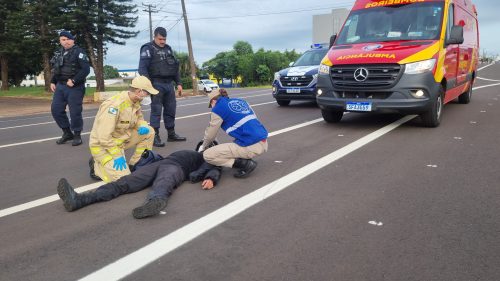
x=419, y=21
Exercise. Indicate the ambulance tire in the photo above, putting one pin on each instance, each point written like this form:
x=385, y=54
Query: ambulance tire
x=432, y=118
x=331, y=116
x=283, y=102
x=465, y=98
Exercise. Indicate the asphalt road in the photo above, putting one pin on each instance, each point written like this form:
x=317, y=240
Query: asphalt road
x=375, y=197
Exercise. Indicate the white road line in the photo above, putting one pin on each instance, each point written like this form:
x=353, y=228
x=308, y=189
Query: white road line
x=486, y=86
x=148, y=254
x=90, y=117
x=87, y=133
x=488, y=65
x=486, y=79
x=45, y=200
x=52, y=198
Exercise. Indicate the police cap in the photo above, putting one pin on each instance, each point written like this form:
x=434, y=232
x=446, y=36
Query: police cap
x=66, y=34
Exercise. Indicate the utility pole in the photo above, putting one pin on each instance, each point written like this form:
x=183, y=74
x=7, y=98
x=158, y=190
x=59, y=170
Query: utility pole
x=150, y=10
x=190, y=50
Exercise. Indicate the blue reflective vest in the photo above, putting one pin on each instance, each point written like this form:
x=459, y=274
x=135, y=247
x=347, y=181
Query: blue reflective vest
x=239, y=121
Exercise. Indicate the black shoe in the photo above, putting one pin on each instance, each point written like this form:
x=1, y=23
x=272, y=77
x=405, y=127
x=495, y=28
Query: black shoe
x=67, y=136
x=92, y=171
x=157, y=142
x=244, y=166
x=152, y=207
x=72, y=200
x=77, y=139
x=175, y=137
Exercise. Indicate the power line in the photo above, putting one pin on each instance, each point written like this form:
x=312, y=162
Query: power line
x=150, y=10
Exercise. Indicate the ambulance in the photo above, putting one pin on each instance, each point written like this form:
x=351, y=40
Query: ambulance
x=401, y=56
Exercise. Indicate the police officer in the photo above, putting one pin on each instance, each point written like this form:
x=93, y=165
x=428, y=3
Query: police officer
x=120, y=125
x=70, y=67
x=164, y=176
x=158, y=63
x=236, y=117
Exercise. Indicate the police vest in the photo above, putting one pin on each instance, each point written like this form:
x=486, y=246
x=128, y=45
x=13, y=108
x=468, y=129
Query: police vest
x=163, y=63
x=66, y=66
x=239, y=121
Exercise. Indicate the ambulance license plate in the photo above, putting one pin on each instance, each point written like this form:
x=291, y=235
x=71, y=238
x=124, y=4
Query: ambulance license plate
x=293, y=91
x=358, y=106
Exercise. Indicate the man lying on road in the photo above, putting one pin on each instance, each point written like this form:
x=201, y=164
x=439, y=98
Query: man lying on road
x=164, y=176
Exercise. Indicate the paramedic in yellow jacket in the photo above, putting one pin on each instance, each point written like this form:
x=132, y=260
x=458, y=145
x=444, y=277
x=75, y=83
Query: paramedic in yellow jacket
x=120, y=125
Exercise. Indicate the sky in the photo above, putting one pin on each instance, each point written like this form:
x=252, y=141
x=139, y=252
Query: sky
x=280, y=25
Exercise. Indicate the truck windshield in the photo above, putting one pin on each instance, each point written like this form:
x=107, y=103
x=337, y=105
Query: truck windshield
x=420, y=21
x=311, y=58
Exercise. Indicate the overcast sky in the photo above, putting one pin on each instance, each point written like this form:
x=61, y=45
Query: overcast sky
x=216, y=25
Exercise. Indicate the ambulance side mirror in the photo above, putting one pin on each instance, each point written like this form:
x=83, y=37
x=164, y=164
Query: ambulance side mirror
x=332, y=40
x=456, y=35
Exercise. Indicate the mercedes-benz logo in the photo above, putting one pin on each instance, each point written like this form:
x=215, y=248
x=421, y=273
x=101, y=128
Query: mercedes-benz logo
x=361, y=74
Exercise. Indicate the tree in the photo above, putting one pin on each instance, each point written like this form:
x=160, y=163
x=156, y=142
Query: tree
x=110, y=72
x=99, y=22
x=263, y=73
x=242, y=48
x=11, y=25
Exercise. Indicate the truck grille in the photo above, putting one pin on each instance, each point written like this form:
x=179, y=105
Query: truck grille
x=296, y=81
x=379, y=76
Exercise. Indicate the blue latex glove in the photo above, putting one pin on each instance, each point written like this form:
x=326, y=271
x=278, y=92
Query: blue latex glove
x=143, y=130
x=120, y=163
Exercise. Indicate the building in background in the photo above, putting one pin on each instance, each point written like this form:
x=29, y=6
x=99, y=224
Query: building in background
x=326, y=25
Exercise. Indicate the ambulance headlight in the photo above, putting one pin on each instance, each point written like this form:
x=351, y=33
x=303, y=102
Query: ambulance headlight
x=324, y=69
x=420, y=67
x=277, y=76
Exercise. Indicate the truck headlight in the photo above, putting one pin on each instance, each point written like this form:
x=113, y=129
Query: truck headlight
x=420, y=67
x=277, y=76
x=324, y=69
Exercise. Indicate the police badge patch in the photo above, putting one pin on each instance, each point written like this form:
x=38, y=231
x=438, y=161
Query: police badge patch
x=82, y=56
x=112, y=110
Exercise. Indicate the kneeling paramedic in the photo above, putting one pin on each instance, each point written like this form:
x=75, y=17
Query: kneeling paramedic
x=236, y=117
x=163, y=176
x=120, y=125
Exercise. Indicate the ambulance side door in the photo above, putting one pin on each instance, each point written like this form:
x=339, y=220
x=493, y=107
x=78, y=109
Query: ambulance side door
x=452, y=52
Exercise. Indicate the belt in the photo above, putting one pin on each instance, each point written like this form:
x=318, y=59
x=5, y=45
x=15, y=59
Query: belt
x=162, y=80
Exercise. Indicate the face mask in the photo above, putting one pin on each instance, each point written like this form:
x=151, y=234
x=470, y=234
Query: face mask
x=146, y=101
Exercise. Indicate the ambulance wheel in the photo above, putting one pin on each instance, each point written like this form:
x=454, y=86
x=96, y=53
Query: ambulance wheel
x=465, y=98
x=432, y=118
x=331, y=116
x=283, y=102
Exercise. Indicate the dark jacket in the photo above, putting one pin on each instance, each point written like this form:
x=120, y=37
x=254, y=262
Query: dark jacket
x=193, y=165
x=70, y=64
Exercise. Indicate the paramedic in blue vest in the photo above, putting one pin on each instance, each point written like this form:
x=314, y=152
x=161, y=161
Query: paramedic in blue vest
x=70, y=67
x=238, y=120
x=158, y=63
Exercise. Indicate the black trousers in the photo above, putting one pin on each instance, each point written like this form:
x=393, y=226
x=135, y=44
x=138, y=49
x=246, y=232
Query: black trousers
x=162, y=176
x=164, y=100
x=73, y=98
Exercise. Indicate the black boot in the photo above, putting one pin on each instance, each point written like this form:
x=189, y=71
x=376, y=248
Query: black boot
x=152, y=207
x=67, y=135
x=92, y=171
x=172, y=136
x=72, y=200
x=244, y=166
x=77, y=140
x=157, y=142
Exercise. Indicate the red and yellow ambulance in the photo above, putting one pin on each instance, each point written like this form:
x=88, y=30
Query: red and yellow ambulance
x=405, y=56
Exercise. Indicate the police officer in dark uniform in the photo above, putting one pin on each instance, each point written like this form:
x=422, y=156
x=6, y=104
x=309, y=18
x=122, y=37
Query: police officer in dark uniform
x=70, y=67
x=158, y=63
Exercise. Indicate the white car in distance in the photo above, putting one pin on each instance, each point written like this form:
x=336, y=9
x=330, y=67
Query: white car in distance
x=207, y=85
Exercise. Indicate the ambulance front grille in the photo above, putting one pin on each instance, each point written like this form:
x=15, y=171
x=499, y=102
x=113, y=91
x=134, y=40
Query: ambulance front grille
x=379, y=76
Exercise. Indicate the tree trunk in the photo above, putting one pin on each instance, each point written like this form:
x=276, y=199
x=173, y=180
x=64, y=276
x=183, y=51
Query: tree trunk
x=94, y=61
x=45, y=52
x=5, y=73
